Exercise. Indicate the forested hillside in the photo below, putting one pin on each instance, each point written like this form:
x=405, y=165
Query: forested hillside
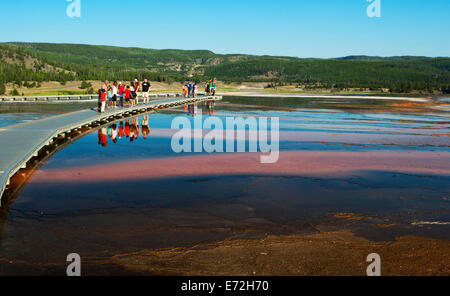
x=402, y=75
x=37, y=62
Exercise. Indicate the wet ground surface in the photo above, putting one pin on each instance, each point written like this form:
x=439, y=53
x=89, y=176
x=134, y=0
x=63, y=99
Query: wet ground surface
x=376, y=170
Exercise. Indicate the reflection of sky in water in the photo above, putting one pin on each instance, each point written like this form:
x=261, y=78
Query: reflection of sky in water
x=7, y=119
x=129, y=213
x=16, y=113
x=87, y=150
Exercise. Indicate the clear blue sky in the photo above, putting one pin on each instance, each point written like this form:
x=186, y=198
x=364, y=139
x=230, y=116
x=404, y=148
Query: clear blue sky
x=303, y=28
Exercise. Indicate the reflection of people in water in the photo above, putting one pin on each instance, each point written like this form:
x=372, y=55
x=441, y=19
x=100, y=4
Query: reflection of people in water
x=145, y=126
x=112, y=132
x=192, y=109
x=132, y=130
x=195, y=109
x=135, y=123
x=102, y=137
x=128, y=128
x=121, y=132
x=210, y=106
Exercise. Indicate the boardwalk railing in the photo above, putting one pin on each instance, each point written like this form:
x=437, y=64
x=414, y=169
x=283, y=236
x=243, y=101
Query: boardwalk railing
x=20, y=143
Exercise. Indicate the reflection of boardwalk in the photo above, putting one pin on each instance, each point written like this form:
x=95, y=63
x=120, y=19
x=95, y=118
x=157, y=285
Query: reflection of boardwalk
x=22, y=142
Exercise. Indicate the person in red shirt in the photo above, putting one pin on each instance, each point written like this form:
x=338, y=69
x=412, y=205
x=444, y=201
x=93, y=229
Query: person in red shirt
x=127, y=96
x=103, y=98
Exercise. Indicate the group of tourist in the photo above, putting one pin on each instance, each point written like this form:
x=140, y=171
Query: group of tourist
x=120, y=95
x=210, y=87
x=190, y=90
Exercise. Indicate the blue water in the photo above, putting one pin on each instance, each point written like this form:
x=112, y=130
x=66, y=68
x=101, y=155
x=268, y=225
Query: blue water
x=7, y=119
x=48, y=220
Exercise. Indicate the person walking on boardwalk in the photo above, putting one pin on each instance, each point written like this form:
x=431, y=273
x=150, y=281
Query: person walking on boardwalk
x=195, y=90
x=121, y=93
x=103, y=100
x=114, y=94
x=208, y=88
x=109, y=97
x=189, y=88
x=105, y=85
x=133, y=96
x=99, y=100
x=213, y=87
x=137, y=90
x=127, y=96
x=185, y=90
x=145, y=90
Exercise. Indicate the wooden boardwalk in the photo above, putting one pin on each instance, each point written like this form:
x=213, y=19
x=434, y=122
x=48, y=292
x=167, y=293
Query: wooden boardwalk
x=20, y=143
x=70, y=98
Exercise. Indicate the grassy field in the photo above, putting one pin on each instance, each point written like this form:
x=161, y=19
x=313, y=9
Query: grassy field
x=73, y=88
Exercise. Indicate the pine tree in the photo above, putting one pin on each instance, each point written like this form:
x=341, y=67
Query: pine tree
x=2, y=88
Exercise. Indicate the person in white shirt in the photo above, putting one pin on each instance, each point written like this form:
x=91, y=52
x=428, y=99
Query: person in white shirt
x=114, y=94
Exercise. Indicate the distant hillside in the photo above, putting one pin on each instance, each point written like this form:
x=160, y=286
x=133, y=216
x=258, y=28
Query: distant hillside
x=371, y=58
x=65, y=62
x=78, y=57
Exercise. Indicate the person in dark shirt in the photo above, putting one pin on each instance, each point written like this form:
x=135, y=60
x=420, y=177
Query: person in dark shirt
x=189, y=86
x=145, y=90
